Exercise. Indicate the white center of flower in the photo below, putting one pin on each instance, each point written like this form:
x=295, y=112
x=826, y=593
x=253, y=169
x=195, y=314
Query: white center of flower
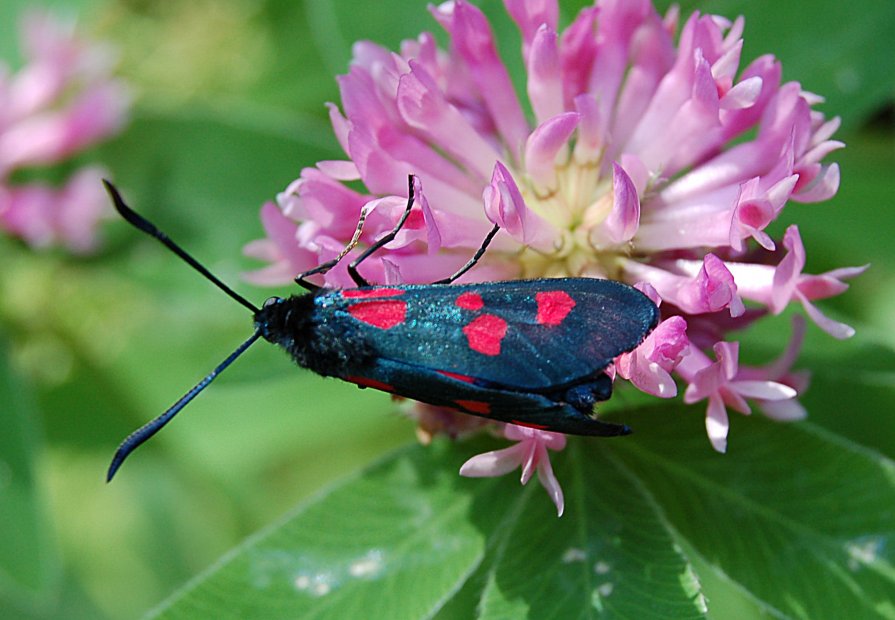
x=575, y=206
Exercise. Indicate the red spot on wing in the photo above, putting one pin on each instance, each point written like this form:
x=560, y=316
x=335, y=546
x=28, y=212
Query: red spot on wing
x=470, y=301
x=485, y=333
x=475, y=406
x=553, y=307
x=383, y=314
x=355, y=293
x=370, y=383
x=457, y=376
x=540, y=427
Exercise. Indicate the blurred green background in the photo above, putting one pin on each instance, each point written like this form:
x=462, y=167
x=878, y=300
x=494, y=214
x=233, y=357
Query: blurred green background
x=229, y=108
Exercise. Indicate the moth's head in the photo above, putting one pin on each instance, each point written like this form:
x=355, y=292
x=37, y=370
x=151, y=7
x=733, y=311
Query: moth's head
x=282, y=320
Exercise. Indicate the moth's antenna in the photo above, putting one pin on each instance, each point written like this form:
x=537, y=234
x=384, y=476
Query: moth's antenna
x=141, y=223
x=139, y=436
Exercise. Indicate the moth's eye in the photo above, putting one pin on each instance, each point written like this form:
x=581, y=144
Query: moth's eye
x=270, y=301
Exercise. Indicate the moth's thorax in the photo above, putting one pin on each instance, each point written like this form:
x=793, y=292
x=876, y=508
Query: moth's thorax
x=302, y=325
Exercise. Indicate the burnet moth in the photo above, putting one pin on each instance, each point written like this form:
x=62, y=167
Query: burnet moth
x=529, y=352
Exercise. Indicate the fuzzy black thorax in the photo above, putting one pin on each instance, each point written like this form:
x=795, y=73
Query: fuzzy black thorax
x=297, y=325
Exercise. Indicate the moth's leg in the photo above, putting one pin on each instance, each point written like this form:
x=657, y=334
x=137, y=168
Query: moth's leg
x=472, y=261
x=301, y=279
x=387, y=238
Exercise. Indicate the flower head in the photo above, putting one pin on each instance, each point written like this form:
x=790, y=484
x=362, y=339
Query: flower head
x=62, y=101
x=649, y=156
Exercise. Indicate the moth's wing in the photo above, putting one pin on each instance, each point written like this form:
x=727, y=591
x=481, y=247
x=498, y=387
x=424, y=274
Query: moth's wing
x=463, y=394
x=531, y=334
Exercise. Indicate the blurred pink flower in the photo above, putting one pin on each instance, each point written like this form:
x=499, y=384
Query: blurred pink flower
x=649, y=156
x=62, y=101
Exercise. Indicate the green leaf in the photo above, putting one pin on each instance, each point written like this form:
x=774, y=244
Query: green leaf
x=801, y=519
x=392, y=542
x=408, y=538
x=28, y=563
x=612, y=548
x=798, y=522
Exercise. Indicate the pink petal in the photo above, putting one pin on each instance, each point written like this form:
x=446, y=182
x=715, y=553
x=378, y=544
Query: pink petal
x=433, y=234
x=494, y=463
x=819, y=151
x=668, y=344
x=717, y=424
x=743, y=95
x=824, y=186
x=845, y=273
x=647, y=289
x=544, y=78
x=648, y=366
x=712, y=290
x=622, y=222
x=391, y=272
x=504, y=204
x=339, y=170
x=681, y=123
x=473, y=41
x=534, y=453
x=551, y=484
x=545, y=145
x=837, y=330
x=590, y=137
x=756, y=208
x=727, y=354
x=697, y=222
x=653, y=53
x=341, y=126
x=530, y=15
x=424, y=107
x=788, y=271
x=578, y=51
x=820, y=286
x=385, y=155
x=330, y=204
x=764, y=390
x=620, y=24
x=691, y=364
x=705, y=382
x=554, y=441
x=784, y=410
x=750, y=218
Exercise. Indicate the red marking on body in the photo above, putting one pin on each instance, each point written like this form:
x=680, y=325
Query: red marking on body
x=457, y=376
x=539, y=427
x=553, y=307
x=475, y=406
x=485, y=333
x=354, y=293
x=382, y=314
x=470, y=301
x=370, y=383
